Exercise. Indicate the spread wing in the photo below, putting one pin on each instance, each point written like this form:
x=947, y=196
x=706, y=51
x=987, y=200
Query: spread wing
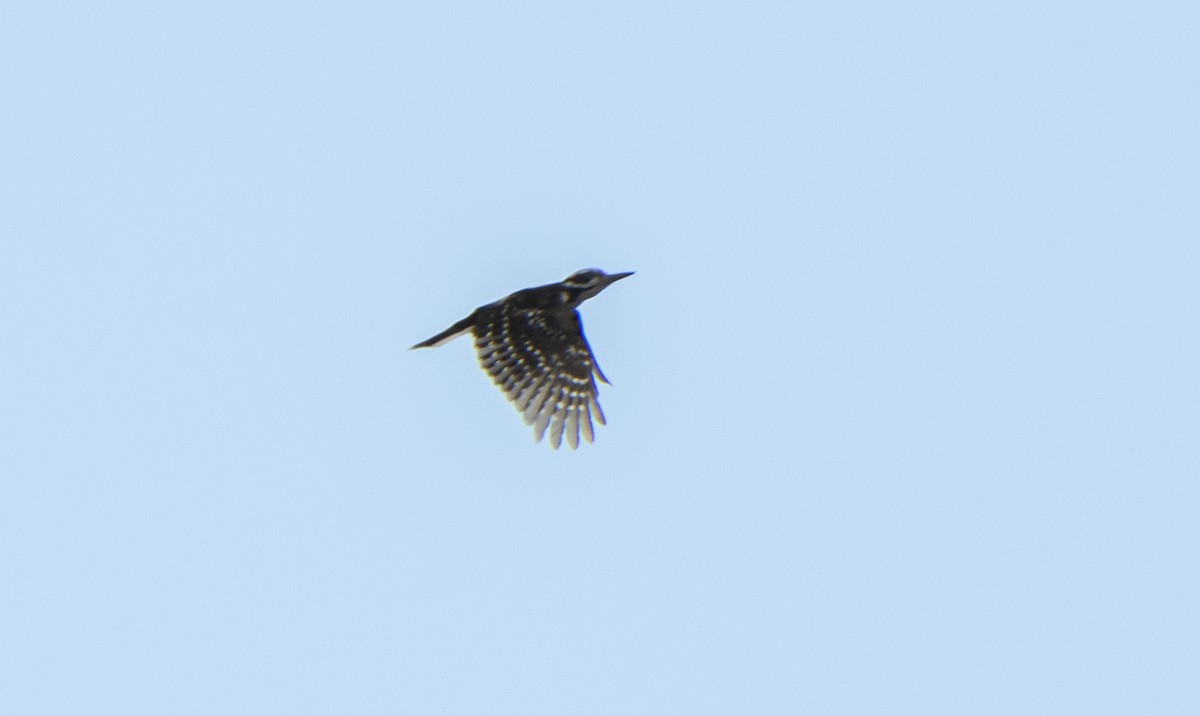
x=542, y=362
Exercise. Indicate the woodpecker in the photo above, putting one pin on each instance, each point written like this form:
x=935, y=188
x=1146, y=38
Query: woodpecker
x=532, y=345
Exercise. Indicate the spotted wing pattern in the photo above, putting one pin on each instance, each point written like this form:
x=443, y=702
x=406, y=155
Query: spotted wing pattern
x=542, y=362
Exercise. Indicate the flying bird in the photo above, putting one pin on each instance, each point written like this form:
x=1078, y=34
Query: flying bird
x=532, y=345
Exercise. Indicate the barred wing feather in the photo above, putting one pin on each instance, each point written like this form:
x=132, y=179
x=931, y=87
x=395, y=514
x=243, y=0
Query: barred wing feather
x=542, y=362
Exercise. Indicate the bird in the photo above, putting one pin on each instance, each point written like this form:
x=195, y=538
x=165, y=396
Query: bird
x=532, y=345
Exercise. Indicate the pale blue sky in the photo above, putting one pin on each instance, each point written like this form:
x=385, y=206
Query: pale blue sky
x=905, y=397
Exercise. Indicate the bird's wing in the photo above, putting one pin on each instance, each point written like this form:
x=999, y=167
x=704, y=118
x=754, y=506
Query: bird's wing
x=543, y=363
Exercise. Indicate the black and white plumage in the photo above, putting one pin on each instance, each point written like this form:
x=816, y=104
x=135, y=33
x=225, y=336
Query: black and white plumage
x=532, y=345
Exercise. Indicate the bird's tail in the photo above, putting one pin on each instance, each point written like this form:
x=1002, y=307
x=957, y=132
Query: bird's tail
x=447, y=335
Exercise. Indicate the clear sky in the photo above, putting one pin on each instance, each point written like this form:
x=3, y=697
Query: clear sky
x=905, y=404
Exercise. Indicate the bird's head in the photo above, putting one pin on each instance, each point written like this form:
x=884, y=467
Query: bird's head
x=589, y=282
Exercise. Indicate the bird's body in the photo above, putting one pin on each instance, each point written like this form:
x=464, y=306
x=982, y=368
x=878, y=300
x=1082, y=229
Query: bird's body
x=532, y=345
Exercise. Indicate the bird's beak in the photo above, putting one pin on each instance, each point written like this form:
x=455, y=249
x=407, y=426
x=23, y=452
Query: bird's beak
x=614, y=277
